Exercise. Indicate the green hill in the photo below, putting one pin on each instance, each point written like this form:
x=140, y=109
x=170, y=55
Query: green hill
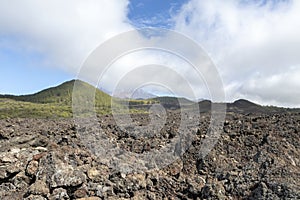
x=52, y=102
x=57, y=102
x=61, y=94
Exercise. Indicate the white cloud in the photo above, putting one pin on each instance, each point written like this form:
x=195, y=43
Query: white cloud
x=251, y=44
x=276, y=89
x=138, y=52
x=64, y=32
x=153, y=66
x=256, y=47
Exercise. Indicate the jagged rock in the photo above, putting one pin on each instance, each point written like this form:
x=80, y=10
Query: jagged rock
x=21, y=181
x=15, y=167
x=256, y=157
x=262, y=191
x=98, y=173
x=80, y=193
x=42, y=141
x=38, y=156
x=136, y=181
x=67, y=177
x=59, y=193
x=89, y=198
x=175, y=168
x=3, y=173
x=32, y=168
x=93, y=173
x=35, y=197
x=39, y=188
x=4, y=135
x=7, y=190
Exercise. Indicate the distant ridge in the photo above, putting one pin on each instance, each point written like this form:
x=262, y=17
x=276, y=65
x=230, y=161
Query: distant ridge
x=57, y=102
x=205, y=105
x=173, y=102
x=246, y=106
x=243, y=103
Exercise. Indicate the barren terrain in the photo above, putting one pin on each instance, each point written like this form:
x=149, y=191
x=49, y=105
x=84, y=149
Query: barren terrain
x=256, y=157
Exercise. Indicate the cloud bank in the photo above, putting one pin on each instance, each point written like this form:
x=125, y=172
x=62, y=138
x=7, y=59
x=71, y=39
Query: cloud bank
x=63, y=32
x=255, y=44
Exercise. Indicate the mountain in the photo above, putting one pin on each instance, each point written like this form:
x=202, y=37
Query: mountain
x=243, y=103
x=247, y=107
x=61, y=94
x=204, y=105
x=57, y=102
x=52, y=102
x=244, y=107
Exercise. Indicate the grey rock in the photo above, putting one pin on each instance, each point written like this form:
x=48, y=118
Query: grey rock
x=35, y=197
x=39, y=188
x=67, y=177
x=59, y=194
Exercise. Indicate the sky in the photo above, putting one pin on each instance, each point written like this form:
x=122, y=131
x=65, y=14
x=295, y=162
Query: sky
x=254, y=44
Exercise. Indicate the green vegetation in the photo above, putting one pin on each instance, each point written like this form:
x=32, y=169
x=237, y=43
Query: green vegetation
x=11, y=109
x=62, y=101
x=61, y=95
x=56, y=102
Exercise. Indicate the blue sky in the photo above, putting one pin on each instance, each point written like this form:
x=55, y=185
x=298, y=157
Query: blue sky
x=154, y=13
x=25, y=71
x=255, y=44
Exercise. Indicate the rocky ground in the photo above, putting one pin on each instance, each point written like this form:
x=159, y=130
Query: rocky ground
x=256, y=157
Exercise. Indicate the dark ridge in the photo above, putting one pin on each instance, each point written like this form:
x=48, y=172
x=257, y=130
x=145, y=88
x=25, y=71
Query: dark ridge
x=173, y=102
x=205, y=105
x=243, y=103
x=246, y=107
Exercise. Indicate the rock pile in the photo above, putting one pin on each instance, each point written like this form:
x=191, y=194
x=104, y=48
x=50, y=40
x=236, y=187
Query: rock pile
x=256, y=157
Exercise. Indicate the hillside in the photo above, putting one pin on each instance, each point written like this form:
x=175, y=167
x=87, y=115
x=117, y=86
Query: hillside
x=255, y=157
x=57, y=101
x=61, y=94
x=51, y=102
